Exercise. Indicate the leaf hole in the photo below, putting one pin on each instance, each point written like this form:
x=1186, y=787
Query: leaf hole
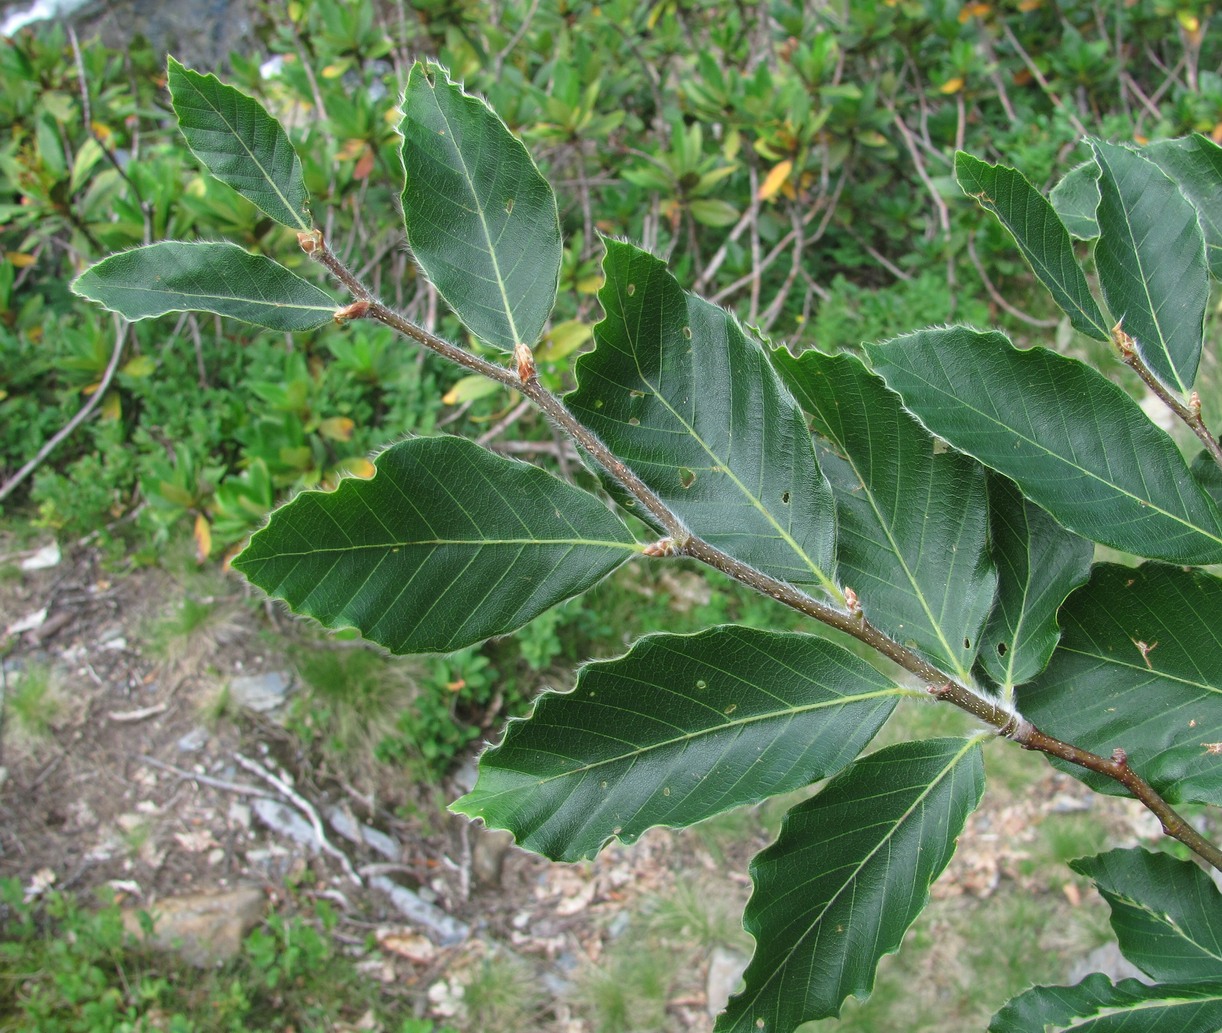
x=785, y=498
x=967, y=643
x=730, y=709
x=666, y=790
x=686, y=477
x=1002, y=649
x=634, y=422
x=701, y=683
x=687, y=332
x=634, y=393
x=598, y=403
x=631, y=289
x=509, y=207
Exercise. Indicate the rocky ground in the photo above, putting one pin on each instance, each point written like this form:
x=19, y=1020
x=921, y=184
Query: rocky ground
x=165, y=774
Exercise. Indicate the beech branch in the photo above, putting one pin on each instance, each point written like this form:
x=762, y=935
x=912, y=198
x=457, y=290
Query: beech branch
x=848, y=617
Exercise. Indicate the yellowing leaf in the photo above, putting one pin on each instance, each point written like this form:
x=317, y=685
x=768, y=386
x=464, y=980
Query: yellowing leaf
x=337, y=428
x=203, y=538
x=140, y=366
x=19, y=259
x=468, y=389
x=334, y=71
x=1189, y=21
x=1030, y=5
x=774, y=180
x=564, y=339
x=351, y=150
x=355, y=466
x=971, y=11
x=951, y=85
x=112, y=407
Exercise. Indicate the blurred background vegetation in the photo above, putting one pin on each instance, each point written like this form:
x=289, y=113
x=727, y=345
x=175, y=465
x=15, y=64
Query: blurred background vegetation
x=793, y=161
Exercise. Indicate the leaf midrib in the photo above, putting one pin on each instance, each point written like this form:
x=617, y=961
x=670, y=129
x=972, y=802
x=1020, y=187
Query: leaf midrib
x=301, y=223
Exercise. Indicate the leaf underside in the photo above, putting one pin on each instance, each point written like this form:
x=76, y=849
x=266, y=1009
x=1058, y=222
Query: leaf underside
x=847, y=876
x=913, y=524
x=481, y=219
x=677, y=730
x=1075, y=199
x=685, y=398
x=235, y=138
x=446, y=546
x=1139, y=667
x=175, y=276
x=1073, y=441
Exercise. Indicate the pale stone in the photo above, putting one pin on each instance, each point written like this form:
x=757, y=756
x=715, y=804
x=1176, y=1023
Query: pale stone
x=205, y=928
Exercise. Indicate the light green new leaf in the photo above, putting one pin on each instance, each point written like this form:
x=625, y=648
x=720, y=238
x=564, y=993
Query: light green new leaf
x=847, y=876
x=240, y=144
x=174, y=276
x=1038, y=564
x=679, y=729
x=481, y=219
x=447, y=545
x=1074, y=442
x=682, y=395
x=1167, y=913
x=1096, y=1006
x=1139, y=667
x=913, y=524
x=1195, y=163
x=1151, y=263
x=1076, y=198
x=1039, y=233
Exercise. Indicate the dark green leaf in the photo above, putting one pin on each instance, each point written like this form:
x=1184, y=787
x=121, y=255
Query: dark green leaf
x=241, y=144
x=679, y=729
x=1151, y=263
x=1075, y=199
x=1039, y=233
x=848, y=875
x=481, y=220
x=1139, y=667
x=1167, y=913
x=913, y=521
x=1096, y=1006
x=1038, y=564
x=682, y=395
x=447, y=545
x=1074, y=442
x=1208, y=475
x=174, y=276
x=1195, y=163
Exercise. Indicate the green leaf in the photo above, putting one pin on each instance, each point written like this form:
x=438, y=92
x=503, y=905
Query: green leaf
x=481, y=219
x=1074, y=442
x=681, y=394
x=913, y=522
x=1096, y=1006
x=1039, y=233
x=240, y=144
x=1167, y=913
x=1075, y=199
x=1151, y=263
x=679, y=729
x=1195, y=163
x=847, y=876
x=1208, y=475
x=1038, y=564
x=174, y=276
x=446, y=546
x=1139, y=667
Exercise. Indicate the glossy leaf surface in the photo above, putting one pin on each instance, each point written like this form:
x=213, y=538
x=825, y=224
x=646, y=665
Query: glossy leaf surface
x=1139, y=667
x=1096, y=1006
x=481, y=219
x=235, y=138
x=1074, y=442
x=847, y=876
x=1151, y=263
x=679, y=729
x=1039, y=233
x=681, y=394
x=1195, y=163
x=446, y=546
x=1167, y=913
x=913, y=523
x=174, y=276
x=1038, y=564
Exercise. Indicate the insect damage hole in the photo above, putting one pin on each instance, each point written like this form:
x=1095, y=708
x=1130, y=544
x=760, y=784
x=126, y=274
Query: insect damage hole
x=686, y=477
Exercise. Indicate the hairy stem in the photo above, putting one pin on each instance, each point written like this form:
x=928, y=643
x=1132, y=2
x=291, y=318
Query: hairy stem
x=520, y=376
